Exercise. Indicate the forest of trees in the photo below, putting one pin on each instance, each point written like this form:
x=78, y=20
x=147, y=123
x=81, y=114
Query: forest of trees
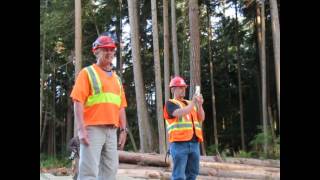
x=230, y=47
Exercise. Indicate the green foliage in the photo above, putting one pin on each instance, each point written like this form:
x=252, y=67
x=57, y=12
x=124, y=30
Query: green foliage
x=47, y=161
x=57, y=23
x=244, y=154
x=212, y=150
x=273, y=150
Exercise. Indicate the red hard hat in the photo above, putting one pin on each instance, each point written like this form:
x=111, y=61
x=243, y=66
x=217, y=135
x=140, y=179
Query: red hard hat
x=177, y=82
x=103, y=42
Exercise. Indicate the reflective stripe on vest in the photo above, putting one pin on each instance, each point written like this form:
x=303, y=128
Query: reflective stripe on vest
x=94, y=80
x=98, y=96
x=182, y=124
x=176, y=126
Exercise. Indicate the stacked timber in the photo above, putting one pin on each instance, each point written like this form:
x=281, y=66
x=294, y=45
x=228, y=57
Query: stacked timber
x=157, y=166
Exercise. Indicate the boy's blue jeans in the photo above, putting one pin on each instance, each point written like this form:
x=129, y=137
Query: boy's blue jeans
x=186, y=157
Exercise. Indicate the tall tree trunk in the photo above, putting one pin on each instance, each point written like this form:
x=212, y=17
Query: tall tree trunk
x=54, y=111
x=259, y=39
x=215, y=131
x=63, y=135
x=43, y=58
x=50, y=141
x=239, y=79
x=78, y=48
x=195, y=78
x=166, y=55
x=263, y=76
x=42, y=78
x=120, y=39
x=132, y=140
x=185, y=64
x=43, y=132
x=166, y=50
x=271, y=122
x=157, y=69
x=69, y=119
x=120, y=64
x=194, y=46
x=146, y=141
x=225, y=55
x=276, y=46
x=174, y=38
x=69, y=127
x=118, y=33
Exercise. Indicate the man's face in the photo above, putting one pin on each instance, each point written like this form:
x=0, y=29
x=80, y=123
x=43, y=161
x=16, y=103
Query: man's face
x=179, y=92
x=107, y=55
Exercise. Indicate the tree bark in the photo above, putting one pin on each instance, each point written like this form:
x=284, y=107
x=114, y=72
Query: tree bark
x=276, y=46
x=166, y=56
x=248, y=161
x=132, y=141
x=166, y=50
x=42, y=72
x=195, y=78
x=78, y=48
x=194, y=46
x=146, y=141
x=160, y=174
x=151, y=162
x=263, y=77
x=43, y=132
x=143, y=159
x=174, y=38
x=239, y=79
x=236, y=167
x=243, y=174
x=69, y=118
x=54, y=117
x=259, y=39
x=119, y=36
x=157, y=68
x=42, y=79
x=215, y=131
x=271, y=124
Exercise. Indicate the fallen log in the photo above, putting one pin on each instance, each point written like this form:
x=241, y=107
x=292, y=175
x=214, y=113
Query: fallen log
x=158, y=174
x=249, y=161
x=147, y=159
x=213, y=169
x=229, y=166
x=204, y=173
x=246, y=174
x=144, y=159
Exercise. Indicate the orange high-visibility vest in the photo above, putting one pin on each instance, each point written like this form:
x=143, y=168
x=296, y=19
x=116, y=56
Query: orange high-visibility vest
x=102, y=107
x=98, y=96
x=181, y=129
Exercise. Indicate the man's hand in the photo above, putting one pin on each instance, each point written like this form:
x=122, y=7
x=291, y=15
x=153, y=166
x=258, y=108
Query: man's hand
x=83, y=136
x=199, y=100
x=122, y=139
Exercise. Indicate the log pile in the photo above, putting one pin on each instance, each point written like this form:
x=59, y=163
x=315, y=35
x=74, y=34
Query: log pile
x=154, y=166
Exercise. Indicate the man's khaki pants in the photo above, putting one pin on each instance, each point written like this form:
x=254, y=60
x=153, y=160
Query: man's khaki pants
x=99, y=160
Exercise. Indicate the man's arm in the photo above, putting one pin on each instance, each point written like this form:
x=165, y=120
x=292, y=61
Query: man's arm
x=200, y=112
x=186, y=110
x=123, y=126
x=78, y=115
x=123, y=118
